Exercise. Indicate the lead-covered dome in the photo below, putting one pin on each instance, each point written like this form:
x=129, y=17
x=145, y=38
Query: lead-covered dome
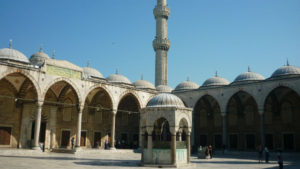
x=248, y=76
x=91, y=72
x=143, y=84
x=286, y=70
x=166, y=100
x=39, y=58
x=164, y=88
x=12, y=54
x=215, y=81
x=186, y=85
x=117, y=78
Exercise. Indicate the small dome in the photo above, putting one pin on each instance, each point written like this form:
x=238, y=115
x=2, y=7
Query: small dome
x=166, y=100
x=12, y=54
x=91, y=72
x=215, y=81
x=164, y=88
x=39, y=58
x=117, y=78
x=249, y=76
x=143, y=84
x=286, y=70
x=187, y=85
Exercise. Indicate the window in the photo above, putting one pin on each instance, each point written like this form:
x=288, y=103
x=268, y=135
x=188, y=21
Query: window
x=5, y=133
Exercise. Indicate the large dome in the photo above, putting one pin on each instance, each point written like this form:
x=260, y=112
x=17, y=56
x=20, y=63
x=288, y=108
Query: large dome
x=12, y=54
x=286, y=70
x=39, y=58
x=187, y=85
x=166, y=100
x=215, y=81
x=248, y=76
x=143, y=84
x=117, y=78
x=164, y=88
x=91, y=72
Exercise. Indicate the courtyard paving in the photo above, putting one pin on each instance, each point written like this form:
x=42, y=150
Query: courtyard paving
x=27, y=159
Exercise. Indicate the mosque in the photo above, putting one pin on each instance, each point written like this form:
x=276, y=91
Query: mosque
x=50, y=101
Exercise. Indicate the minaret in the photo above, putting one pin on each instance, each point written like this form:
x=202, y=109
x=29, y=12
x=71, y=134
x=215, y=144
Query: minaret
x=161, y=44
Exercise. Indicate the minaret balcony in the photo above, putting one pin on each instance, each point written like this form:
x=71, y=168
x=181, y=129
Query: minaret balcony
x=161, y=11
x=161, y=44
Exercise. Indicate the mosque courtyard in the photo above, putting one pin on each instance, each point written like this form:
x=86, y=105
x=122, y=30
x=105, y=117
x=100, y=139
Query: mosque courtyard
x=124, y=159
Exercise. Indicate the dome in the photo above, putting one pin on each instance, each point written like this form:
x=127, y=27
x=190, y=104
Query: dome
x=164, y=88
x=286, y=70
x=186, y=85
x=249, y=76
x=215, y=81
x=91, y=72
x=143, y=84
x=12, y=54
x=117, y=78
x=39, y=58
x=166, y=100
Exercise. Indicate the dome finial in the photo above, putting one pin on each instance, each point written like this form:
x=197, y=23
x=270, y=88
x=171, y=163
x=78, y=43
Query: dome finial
x=142, y=77
x=287, y=62
x=216, y=74
x=53, y=54
x=10, y=44
x=188, y=78
x=41, y=48
x=249, y=69
x=117, y=72
x=88, y=63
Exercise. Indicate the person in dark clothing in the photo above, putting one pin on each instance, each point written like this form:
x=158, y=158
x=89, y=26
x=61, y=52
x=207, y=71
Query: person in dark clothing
x=279, y=159
x=266, y=154
x=210, y=151
x=72, y=142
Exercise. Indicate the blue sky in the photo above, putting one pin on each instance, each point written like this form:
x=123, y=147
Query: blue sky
x=205, y=35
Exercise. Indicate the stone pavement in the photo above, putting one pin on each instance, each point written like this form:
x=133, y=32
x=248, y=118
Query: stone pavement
x=27, y=159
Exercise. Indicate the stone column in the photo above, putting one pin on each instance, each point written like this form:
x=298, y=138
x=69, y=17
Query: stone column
x=78, y=132
x=262, y=127
x=173, y=149
x=188, y=142
x=224, y=136
x=52, y=125
x=38, y=120
x=142, y=146
x=113, y=130
x=149, y=147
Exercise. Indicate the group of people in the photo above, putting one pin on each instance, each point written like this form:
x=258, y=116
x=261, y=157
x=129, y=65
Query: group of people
x=206, y=150
x=267, y=155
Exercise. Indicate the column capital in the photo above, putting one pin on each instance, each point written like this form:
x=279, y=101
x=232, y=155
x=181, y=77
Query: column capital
x=39, y=103
x=223, y=114
x=114, y=112
x=261, y=110
x=79, y=108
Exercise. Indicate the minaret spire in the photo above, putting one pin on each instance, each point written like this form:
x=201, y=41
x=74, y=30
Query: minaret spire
x=161, y=44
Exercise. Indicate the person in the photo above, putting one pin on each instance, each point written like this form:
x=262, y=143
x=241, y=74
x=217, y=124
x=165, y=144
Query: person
x=207, y=153
x=106, y=144
x=279, y=159
x=266, y=154
x=72, y=142
x=260, y=152
x=223, y=148
x=210, y=151
x=200, y=152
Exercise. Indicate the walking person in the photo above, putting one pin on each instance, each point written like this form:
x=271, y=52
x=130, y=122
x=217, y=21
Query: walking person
x=72, y=142
x=279, y=159
x=260, y=153
x=207, y=156
x=266, y=154
x=210, y=151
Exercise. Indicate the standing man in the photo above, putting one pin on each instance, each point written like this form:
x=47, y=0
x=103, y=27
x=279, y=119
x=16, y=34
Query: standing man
x=266, y=154
x=72, y=142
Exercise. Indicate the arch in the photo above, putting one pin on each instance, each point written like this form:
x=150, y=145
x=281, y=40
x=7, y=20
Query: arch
x=28, y=76
x=207, y=95
x=69, y=82
x=102, y=87
x=273, y=88
x=235, y=94
x=128, y=92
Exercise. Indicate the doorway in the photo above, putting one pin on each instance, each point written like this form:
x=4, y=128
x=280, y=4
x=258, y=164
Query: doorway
x=65, y=137
x=97, y=139
x=42, y=132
